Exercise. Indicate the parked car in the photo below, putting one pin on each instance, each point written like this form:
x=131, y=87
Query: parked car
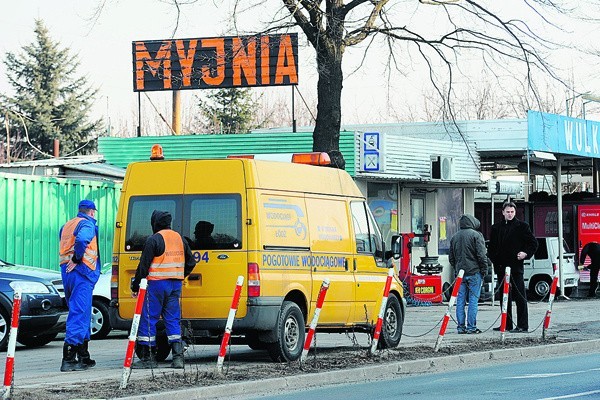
x=539, y=270
x=43, y=313
x=100, y=324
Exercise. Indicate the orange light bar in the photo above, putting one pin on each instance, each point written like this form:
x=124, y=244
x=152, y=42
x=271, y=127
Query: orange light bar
x=315, y=158
x=157, y=152
x=249, y=156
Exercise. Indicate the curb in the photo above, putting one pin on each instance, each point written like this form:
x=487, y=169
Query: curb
x=374, y=372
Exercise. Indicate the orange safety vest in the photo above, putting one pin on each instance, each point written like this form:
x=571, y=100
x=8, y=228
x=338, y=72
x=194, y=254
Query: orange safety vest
x=170, y=264
x=67, y=245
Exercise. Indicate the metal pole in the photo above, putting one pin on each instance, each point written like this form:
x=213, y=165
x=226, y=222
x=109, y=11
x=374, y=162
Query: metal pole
x=560, y=224
x=293, y=111
x=176, y=121
x=139, y=127
x=7, y=124
x=493, y=274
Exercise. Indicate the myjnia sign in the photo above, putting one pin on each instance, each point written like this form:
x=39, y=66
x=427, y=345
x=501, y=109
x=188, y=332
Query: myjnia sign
x=218, y=62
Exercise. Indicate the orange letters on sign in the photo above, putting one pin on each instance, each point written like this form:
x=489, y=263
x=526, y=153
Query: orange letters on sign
x=286, y=65
x=162, y=57
x=186, y=60
x=244, y=61
x=265, y=55
x=219, y=45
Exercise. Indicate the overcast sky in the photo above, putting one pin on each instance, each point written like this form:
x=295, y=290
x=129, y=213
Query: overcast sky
x=103, y=45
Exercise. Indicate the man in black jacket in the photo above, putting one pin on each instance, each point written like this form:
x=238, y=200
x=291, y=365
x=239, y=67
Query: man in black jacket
x=512, y=242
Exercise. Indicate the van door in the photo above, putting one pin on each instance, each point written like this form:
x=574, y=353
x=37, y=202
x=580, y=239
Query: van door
x=331, y=257
x=368, y=266
x=214, y=215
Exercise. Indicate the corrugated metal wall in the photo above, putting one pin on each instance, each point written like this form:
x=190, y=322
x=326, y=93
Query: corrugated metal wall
x=122, y=151
x=33, y=208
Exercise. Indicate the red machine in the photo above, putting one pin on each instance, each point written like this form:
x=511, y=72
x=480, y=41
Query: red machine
x=424, y=281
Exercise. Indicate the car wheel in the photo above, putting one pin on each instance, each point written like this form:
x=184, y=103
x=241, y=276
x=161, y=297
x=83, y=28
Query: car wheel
x=539, y=287
x=100, y=323
x=391, y=330
x=36, y=341
x=568, y=291
x=290, y=334
x=4, y=328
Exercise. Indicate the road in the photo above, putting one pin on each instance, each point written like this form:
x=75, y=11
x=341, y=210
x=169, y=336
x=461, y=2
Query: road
x=576, y=377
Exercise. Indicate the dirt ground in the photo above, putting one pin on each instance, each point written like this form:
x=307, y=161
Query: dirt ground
x=338, y=358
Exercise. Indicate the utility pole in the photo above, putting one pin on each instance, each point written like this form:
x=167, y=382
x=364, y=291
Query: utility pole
x=7, y=125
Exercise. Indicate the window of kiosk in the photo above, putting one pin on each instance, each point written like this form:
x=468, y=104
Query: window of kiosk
x=417, y=214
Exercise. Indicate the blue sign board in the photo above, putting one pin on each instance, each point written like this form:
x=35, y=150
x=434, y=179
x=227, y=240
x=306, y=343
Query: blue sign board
x=559, y=134
x=371, y=152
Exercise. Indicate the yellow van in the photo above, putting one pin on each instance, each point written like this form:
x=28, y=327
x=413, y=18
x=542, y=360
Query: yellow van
x=284, y=227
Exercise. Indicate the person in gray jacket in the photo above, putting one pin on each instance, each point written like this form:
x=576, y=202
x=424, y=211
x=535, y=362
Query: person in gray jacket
x=468, y=252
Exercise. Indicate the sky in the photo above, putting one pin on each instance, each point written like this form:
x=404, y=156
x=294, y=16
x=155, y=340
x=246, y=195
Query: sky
x=103, y=46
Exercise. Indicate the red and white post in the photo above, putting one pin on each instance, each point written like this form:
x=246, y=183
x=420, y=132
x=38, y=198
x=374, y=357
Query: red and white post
x=386, y=292
x=444, y=326
x=313, y=323
x=228, y=326
x=505, y=303
x=135, y=324
x=550, y=302
x=12, y=344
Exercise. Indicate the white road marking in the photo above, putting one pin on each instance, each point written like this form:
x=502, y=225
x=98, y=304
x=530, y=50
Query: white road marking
x=572, y=396
x=551, y=375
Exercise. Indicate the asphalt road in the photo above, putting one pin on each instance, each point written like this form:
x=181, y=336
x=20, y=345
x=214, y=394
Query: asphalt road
x=576, y=377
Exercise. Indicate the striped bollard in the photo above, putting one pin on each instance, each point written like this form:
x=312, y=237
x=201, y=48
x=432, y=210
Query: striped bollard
x=386, y=292
x=313, y=324
x=135, y=324
x=444, y=326
x=504, y=303
x=550, y=302
x=228, y=326
x=12, y=344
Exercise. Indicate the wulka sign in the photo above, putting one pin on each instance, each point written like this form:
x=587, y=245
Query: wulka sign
x=221, y=62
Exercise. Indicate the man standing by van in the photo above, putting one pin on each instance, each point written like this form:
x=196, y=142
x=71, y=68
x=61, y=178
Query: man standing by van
x=511, y=242
x=165, y=261
x=591, y=250
x=80, y=269
x=468, y=252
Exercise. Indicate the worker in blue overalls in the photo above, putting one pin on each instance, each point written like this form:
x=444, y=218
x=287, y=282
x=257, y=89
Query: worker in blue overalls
x=80, y=269
x=165, y=261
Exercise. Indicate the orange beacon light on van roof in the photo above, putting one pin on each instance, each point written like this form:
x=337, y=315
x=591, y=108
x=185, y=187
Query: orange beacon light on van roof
x=157, y=152
x=312, y=158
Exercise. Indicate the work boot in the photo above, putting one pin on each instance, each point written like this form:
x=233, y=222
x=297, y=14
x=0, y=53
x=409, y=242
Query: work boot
x=177, y=351
x=69, y=360
x=146, y=359
x=83, y=354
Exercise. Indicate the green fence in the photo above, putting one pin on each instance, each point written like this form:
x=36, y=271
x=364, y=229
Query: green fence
x=33, y=208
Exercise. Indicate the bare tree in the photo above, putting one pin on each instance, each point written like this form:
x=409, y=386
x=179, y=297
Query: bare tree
x=504, y=38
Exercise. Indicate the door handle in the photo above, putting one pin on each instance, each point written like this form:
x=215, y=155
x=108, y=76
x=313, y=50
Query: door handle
x=346, y=264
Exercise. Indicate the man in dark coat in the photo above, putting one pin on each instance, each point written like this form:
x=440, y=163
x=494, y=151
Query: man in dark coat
x=512, y=242
x=468, y=252
x=591, y=250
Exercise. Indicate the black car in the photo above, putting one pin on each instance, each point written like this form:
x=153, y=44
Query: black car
x=43, y=313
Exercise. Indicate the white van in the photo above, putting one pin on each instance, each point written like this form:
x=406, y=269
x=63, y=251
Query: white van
x=539, y=270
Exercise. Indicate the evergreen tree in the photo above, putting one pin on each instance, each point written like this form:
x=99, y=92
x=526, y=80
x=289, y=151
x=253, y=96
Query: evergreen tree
x=49, y=102
x=228, y=111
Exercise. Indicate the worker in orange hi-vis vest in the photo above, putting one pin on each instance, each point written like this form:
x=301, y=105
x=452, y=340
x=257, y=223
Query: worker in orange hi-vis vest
x=165, y=261
x=80, y=269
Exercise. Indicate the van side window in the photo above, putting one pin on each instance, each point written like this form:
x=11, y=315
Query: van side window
x=138, y=219
x=368, y=236
x=542, y=251
x=213, y=222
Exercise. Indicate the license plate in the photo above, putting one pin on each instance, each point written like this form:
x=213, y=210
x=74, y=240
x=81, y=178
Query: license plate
x=424, y=290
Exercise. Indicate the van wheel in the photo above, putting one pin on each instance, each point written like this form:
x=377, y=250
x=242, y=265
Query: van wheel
x=163, y=348
x=539, y=287
x=447, y=290
x=391, y=330
x=289, y=332
x=36, y=341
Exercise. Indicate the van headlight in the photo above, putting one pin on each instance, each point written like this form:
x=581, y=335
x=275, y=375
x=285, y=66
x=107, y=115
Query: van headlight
x=29, y=287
